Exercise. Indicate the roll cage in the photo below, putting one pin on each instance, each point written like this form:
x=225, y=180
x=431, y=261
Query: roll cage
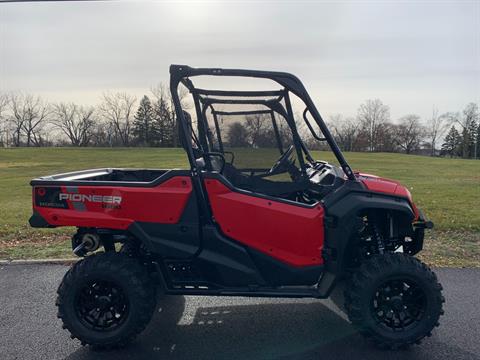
x=269, y=101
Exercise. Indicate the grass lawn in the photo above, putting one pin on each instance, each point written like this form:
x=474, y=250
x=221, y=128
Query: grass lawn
x=447, y=189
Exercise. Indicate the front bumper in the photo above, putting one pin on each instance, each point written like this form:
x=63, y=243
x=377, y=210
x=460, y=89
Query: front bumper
x=419, y=226
x=422, y=222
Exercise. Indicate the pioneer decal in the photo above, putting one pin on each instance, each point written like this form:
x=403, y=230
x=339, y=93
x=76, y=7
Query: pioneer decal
x=56, y=197
x=107, y=199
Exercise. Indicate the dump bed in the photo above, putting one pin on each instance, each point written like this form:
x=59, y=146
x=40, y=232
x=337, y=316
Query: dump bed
x=104, y=175
x=110, y=198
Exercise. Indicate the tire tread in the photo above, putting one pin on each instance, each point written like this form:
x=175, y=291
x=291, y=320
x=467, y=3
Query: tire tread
x=367, y=273
x=125, y=267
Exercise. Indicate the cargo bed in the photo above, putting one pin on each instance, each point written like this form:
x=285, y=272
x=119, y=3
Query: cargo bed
x=110, y=176
x=110, y=198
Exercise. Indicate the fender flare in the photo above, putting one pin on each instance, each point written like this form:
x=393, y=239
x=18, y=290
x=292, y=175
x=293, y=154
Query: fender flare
x=342, y=221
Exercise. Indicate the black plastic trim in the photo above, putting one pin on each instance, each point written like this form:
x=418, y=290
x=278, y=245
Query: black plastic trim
x=180, y=241
x=278, y=273
x=37, y=221
x=343, y=205
x=227, y=262
x=276, y=292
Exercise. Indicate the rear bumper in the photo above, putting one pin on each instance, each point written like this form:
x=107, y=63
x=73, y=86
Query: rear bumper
x=37, y=221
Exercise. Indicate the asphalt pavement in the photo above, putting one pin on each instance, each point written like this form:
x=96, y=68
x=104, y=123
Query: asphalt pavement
x=228, y=327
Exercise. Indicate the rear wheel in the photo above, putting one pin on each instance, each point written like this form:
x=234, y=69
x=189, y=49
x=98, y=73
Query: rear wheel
x=394, y=299
x=106, y=299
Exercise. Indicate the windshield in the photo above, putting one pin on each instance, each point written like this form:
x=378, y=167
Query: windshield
x=251, y=138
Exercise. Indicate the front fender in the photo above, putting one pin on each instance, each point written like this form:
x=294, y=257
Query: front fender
x=342, y=222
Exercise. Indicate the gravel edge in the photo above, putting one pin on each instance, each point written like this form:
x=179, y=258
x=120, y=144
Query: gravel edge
x=39, y=261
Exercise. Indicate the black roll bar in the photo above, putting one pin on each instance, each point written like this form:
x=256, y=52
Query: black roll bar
x=238, y=93
x=277, y=132
x=239, y=113
x=217, y=129
x=182, y=73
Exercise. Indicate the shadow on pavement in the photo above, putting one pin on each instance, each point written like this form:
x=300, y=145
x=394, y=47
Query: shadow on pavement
x=258, y=331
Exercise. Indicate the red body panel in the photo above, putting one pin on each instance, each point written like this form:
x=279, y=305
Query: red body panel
x=378, y=184
x=292, y=234
x=160, y=204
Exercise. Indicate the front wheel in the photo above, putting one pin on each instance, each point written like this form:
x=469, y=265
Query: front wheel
x=106, y=299
x=394, y=299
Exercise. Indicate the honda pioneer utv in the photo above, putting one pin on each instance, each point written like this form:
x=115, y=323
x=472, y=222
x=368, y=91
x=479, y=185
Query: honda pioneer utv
x=254, y=215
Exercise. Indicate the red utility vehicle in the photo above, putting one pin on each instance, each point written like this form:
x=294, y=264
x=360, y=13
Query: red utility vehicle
x=229, y=225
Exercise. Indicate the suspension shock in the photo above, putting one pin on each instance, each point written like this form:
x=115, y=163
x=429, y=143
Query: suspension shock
x=377, y=236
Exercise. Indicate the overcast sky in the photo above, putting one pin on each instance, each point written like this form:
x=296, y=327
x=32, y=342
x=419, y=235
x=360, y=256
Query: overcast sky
x=410, y=54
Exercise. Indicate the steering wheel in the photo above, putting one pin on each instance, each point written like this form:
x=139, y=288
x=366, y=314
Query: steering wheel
x=283, y=162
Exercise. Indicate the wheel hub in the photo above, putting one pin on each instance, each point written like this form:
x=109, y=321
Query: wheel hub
x=104, y=302
x=399, y=304
x=101, y=305
x=396, y=303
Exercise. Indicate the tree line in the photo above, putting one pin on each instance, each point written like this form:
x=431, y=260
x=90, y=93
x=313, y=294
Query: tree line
x=122, y=120
x=454, y=134
x=119, y=120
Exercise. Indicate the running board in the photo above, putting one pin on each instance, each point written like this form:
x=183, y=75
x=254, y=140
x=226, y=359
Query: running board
x=282, y=292
x=319, y=291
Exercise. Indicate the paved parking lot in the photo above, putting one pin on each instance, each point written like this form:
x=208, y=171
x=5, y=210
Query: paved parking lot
x=228, y=328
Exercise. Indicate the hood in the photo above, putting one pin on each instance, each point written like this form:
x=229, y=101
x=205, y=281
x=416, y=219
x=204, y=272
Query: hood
x=379, y=184
x=382, y=185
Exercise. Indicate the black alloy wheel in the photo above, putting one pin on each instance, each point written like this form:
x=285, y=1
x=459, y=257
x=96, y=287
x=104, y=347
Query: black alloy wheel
x=102, y=305
x=394, y=300
x=106, y=299
x=399, y=304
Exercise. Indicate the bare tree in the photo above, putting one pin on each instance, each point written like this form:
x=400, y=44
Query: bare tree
x=345, y=130
x=165, y=110
x=436, y=127
x=16, y=119
x=118, y=110
x=102, y=134
x=76, y=122
x=255, y=125
x=86, y=123
x=409, y=133
x=386, y=139
x=372, y=114
x=4, y=103
x=29, y=114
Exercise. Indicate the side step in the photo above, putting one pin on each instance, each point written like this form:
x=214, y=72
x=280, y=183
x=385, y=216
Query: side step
x=185, y=279
x=253, y=291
